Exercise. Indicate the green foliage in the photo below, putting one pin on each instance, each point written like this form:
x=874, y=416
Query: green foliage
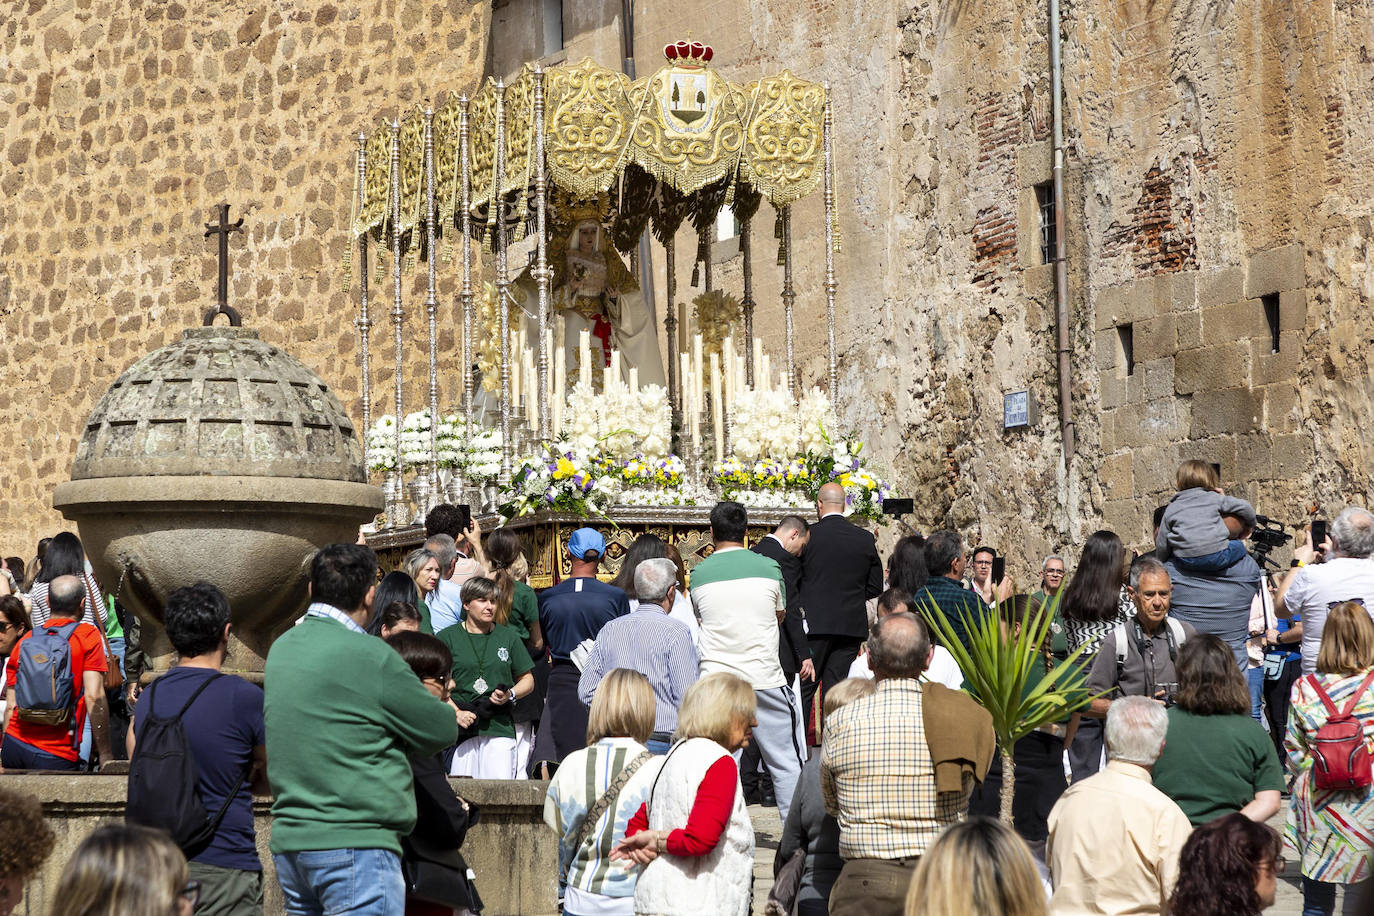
x=1000, y=667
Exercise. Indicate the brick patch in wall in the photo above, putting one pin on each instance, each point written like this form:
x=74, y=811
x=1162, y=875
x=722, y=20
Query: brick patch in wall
x=1159, y=235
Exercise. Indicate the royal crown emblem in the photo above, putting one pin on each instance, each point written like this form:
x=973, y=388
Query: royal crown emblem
x=690, y=93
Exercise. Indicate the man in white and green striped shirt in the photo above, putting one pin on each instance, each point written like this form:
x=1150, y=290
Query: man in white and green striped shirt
x=738, y=594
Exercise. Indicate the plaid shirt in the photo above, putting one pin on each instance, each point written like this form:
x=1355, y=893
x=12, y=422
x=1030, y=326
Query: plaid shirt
x=878, y=780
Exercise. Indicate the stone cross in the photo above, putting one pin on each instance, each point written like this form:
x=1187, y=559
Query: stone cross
x=222, y=230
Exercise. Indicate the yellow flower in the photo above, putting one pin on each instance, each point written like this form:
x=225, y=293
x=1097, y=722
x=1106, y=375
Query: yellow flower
x=564, y=469
x=844, y=480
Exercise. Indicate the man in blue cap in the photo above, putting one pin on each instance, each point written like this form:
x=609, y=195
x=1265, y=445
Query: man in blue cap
x=570, y=615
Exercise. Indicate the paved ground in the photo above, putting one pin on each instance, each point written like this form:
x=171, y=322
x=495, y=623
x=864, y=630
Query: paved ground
x=767, y=829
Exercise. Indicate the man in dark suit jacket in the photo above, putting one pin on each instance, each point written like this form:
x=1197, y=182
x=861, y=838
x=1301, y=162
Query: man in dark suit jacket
x=840, y=572
x=784, y=546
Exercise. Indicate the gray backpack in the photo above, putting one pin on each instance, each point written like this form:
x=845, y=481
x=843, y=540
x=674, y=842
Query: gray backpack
x=43, y=690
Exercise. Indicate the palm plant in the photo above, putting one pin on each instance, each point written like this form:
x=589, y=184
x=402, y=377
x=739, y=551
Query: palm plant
x=999, y=666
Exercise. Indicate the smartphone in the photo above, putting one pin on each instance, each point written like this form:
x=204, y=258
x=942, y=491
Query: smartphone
x=899, y=506
x=464, y=516
x=1318, y=533
x=999, y=570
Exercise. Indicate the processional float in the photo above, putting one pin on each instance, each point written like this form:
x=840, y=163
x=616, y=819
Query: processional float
x=580, y=160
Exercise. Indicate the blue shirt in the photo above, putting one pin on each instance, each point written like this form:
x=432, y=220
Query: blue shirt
x=655, y=645
x=223, y=726
x=445, y=605
x=577, y=609
x=1287, y=651
x=955, y=601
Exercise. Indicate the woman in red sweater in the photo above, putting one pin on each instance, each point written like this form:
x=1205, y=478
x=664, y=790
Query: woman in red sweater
x=693, y=836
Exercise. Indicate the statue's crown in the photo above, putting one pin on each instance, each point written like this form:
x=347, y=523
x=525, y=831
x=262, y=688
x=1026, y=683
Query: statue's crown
x=688, y=53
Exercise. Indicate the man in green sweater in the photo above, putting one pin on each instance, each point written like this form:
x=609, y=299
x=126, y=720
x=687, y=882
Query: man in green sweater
x=342, y=711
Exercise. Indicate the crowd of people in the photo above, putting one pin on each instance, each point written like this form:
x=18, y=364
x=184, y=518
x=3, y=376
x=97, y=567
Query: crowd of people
x=799, y=670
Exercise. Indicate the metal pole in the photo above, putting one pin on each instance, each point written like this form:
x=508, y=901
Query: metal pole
x=397, y=312
x=670, y=328
x=364, y=320
x=432, y=311
x=1061, y=272
x=832, y=363
x=465, y=295
x=541, y=266
x=746, y=250
x=502, y=280
x=789, y=297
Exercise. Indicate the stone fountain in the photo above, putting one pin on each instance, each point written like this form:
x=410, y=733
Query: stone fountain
x=219, y=458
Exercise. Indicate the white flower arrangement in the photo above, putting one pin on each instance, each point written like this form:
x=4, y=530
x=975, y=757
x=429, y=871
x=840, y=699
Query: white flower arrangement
x=618, y=423
x=477, y=454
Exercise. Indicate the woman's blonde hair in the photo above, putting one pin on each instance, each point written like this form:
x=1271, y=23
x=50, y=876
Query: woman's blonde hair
x=122, y=870
x=416, y=560
x=1347, y=641
x=1194, y=473
x=846, y=692
x=623, y=707
x=976, y=868
x=713, y=706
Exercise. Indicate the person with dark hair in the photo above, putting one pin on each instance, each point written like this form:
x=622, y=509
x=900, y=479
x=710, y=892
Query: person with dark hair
x=27, y=842
x=31, y=741
x=906, y=565
x=944, y=554
x=442, y=818
x=36, y=566
x=840, y=572
x=221, y=715
x=491, y=672
x=739, y=597
x=1228, y=867
x=66, y=557
x=15, y=567
x=942, y=669
x=399, y=617
x=980, y=574
x=571, y=613
x=517, y=607
x=14, y=623
x=1093, y=603
x=470, y=559
x=337, y=849
x=1218, y=759
x=397, y=587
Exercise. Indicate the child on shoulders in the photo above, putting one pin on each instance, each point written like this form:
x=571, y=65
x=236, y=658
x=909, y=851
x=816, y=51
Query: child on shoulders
x=1195, y=530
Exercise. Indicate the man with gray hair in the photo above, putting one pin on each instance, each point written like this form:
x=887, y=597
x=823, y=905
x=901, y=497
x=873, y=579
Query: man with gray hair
x=446, y=601
x=1052, y=573
x=647, y=640
x=1138, y=657
x=1114, y=838
x=1325, y=575
x=898, y=768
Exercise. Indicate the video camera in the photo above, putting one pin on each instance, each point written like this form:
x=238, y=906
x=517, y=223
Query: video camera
x=1267, y=535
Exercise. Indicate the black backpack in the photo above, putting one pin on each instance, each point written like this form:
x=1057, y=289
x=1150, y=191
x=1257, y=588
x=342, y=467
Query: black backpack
x=164, y=787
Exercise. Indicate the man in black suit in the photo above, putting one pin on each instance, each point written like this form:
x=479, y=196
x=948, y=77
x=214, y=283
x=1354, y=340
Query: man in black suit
x=840, y=572
x=784, y=546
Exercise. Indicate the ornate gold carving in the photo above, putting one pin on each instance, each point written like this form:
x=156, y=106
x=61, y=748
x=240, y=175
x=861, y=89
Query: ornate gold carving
x=782, y=148
x=446, y=177
x=589, y=117
x=372, y=211
x=412, y=169
x=689, y=130
x=482, y=142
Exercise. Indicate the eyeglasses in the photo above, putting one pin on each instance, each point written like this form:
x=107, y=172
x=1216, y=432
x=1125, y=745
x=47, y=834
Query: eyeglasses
x=1054, y=572
x=444, y=686
x=1276, y=865
x=1332, y=605
x=191, y=892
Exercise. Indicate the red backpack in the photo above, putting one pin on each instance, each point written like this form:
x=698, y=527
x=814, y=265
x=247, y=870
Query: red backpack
x=1340, y=758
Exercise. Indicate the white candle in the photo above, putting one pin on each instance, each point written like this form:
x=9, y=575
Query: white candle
x=584, y=358
x=531, y=379
x=696, y=420
x=767, y=372
x=514, y=370
x=717, y=437
x=615, y=366
x=698, y=377
x=758, y=362
x=634, y=379
x=727, y=359
x=560, y=367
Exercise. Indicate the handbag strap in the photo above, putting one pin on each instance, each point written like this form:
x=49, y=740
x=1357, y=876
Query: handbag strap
x=1350, y=704
x=608, y=798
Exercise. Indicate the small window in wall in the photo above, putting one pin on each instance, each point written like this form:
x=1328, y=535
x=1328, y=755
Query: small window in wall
x=553, y=26
x=1125, y=349
x=727, y=227
x=1271, y=317
x=1044, y=201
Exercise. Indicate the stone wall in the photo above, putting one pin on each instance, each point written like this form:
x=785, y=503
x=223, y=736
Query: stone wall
x=513, y=855
x=122, y=125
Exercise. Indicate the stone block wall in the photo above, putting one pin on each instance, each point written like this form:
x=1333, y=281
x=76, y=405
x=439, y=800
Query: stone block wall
x=123, y=125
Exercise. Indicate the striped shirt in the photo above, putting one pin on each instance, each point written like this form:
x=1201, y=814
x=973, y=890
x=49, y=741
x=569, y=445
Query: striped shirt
x=739, y=595
x=320, y=609
x=580, y=781
x=652, y=643
x=878, y=779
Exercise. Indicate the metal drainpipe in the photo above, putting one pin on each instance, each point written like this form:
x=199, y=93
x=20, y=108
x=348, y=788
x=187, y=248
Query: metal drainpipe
x=1061, y=273
x=627, y=64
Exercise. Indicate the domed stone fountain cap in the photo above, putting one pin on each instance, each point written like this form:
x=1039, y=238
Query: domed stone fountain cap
x=218, y=458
